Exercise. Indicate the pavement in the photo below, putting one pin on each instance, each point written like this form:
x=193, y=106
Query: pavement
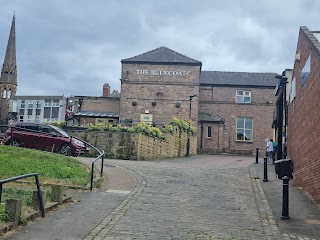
x=304, y=222
x=200, y=197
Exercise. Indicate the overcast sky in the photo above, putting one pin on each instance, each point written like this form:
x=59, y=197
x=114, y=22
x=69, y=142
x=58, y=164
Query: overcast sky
x=73, y=47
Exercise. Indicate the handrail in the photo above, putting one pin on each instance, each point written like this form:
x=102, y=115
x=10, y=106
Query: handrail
x=6, y=180
x=92, y=167
x=101, y=155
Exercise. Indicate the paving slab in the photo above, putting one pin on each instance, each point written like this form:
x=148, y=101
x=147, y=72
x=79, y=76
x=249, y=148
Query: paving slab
x=304, y=215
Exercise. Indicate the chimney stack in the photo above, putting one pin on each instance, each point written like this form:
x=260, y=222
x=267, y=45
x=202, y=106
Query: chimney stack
x=106, y=90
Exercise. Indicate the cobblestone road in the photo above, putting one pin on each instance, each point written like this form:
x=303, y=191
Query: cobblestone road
x=202, y=197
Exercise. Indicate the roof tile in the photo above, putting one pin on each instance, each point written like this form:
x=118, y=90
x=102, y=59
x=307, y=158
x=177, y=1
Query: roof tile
x=162, y=55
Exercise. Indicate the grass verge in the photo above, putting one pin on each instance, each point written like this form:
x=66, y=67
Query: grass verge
x=52, y=169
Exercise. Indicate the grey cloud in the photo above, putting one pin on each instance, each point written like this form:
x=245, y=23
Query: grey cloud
x=73, y=47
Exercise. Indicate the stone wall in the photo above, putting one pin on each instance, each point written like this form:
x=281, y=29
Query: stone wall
x=138, y=146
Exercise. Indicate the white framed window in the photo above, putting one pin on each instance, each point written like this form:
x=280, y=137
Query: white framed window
x=37, y=118
x=29, y=118
x=209, y=132
x=38, y=104
x=47, y=103
x=243, y=96
x=30, y=104
x=244, y=129
x=23, y=104
x=21, y=118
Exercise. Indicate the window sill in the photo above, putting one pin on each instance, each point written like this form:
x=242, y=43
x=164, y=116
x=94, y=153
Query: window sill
x=245, y=142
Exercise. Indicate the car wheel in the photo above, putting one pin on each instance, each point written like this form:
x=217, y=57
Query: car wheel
x=15, y=143
x=65, y=149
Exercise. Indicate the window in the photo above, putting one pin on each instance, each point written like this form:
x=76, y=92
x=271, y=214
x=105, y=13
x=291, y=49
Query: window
x=23, y=104
x=45, y=129
x=244, y=129
x=31, y=127
x=209, y=131
x=30, y=104
x=37, y=118
x=305, y=71
x=55, y=103
x=243, y=96
x=47, y=102
x=29, y=118
x=21, y=118
x=38, y=104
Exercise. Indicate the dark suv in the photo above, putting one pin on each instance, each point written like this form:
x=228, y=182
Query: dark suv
x=43, y=137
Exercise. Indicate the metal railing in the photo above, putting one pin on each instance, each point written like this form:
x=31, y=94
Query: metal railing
x=2, y=181
x=101, y=155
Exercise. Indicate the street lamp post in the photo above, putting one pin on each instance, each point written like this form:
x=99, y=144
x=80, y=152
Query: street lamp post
x=188, y=142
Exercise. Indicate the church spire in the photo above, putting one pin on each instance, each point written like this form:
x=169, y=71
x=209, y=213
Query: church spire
x=9, y=68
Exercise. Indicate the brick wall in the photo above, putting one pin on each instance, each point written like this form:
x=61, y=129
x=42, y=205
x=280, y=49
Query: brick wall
x=303, y=120
x=101, y=104
x=165, y=91
x=213, y=144
x=138, y=146
x=220, y=102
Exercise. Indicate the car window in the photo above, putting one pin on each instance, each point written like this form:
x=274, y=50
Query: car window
x=44, y=129
x=63, y=133
x=31, y=127
x=18, y=127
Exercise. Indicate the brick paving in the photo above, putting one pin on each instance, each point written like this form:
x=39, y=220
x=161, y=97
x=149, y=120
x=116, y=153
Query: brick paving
x=201, y=197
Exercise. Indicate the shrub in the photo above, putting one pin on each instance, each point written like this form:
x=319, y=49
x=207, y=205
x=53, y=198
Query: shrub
x=183, y=125
x=98, y=127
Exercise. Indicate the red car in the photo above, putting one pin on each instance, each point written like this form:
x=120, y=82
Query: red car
x=43, y=137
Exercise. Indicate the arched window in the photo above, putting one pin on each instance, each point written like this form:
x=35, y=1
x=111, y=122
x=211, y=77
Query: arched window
x=4, y=95
x=9, y=93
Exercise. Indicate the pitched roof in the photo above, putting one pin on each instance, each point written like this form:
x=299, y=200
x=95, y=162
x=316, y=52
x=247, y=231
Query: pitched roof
x=97, y=114
x=204, y=117
x=161, y=55
x=238, y=79
x=314, y=37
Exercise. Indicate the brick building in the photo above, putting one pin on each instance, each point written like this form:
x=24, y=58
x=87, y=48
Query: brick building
x=155, y=87
x=304, y=113
x=97, y=110
x=234, y=111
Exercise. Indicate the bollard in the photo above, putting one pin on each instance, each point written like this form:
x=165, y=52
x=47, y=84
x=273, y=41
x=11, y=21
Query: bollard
x=285, y=198
x=265, y=168
x=257, y=155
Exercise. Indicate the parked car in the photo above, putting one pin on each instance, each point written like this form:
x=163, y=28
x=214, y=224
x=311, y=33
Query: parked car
x=43, y=137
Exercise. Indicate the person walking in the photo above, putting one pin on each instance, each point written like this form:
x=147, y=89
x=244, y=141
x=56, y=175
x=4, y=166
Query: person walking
x=275, y=149
x=270, y=151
